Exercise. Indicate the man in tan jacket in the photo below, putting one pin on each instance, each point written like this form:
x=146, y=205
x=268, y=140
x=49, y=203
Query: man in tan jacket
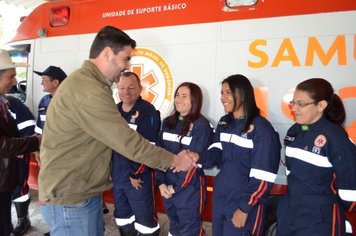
x=82, y=128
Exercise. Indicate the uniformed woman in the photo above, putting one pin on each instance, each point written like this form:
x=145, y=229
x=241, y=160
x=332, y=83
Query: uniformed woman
x=184, y=192
x=321, y=165
x=246, y=148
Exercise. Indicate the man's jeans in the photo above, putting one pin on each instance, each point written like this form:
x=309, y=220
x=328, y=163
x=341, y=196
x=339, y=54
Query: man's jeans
x=82, y=219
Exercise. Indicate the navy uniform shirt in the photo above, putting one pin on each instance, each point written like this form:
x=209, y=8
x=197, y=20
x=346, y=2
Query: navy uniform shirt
x=145, y=119
x=42, y=110
x=197, y=139
x=321, y=161
x=248, y=162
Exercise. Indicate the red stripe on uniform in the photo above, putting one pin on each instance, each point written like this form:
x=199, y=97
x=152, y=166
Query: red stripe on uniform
x=257, y=195
x=189, y=177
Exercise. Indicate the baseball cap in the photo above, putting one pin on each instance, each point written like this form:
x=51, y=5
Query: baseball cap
x=6, y=61
x=54, y=72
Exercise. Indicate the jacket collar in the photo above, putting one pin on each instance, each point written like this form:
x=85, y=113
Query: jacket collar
x=97, y=74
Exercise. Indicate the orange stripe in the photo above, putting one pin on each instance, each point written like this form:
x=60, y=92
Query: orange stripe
x=261, y=218
x=338, y=219
x=138, y=171
x=257, y=220
x=201, y=207
x=186, y=178
x=153, y=196
x=334, y=219
x=352, y=206
x=332, y=185
x=255, y=193
x=189, y=177
x=260, y=191
x=192, y=175
x=201, y=195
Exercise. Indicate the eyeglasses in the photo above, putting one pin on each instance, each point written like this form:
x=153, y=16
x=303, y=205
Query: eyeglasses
x=300, y=104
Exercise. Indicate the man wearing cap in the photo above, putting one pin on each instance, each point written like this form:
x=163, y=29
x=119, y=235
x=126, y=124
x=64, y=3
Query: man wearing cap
x=52, y=77
x=11, y=146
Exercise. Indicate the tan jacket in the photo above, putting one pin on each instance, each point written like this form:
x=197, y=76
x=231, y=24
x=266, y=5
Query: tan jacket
x=82, y=127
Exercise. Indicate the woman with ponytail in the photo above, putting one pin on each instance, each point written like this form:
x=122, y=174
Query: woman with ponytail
x=246, y=149
x=320, y=165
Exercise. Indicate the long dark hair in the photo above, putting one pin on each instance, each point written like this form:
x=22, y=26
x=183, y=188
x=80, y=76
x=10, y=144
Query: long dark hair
x=239, y=83
x=196, y=99
x=320, y=89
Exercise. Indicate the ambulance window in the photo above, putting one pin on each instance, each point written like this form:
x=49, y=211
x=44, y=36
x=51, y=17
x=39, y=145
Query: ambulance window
x=238, y=3
x=59, y=16
x=20, y=54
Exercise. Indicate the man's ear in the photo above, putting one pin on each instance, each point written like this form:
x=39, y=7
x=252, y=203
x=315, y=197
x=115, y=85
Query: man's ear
x=107, y=53
x=56, y=83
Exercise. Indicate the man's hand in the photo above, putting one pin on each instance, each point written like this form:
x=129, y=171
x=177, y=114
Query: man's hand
x=136, y=183
x=165, y=191
x=183, y=161
x=239, y=218
x=39, y=138
x=37, y=156
x=193, y=155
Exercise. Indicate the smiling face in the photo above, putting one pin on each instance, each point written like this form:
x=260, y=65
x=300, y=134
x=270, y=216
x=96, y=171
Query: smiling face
x=129, y=90
x=182, y=101
x=119, y=62
x=305, y=110
x=231, y=105
x=49, y=85
x=7, y=80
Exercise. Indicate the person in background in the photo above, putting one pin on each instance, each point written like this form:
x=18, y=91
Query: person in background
x=25, y=122
x=246, y=149
x=52, y=77
x=133, y=182
x=82, y=129
x=12, y=146
x=184, y=193
x=320, y=164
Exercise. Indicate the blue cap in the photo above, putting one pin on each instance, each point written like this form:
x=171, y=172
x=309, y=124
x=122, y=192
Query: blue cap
x=54, y=72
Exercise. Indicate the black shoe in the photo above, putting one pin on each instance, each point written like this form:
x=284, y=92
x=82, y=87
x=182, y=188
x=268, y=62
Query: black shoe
x=47, y=234
x=22, y=226
x=23, y=222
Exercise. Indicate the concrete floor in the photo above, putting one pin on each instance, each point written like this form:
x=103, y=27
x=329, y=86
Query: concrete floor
x=39, y=227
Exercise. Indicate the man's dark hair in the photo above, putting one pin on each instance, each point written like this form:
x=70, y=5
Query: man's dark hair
x=112, y=37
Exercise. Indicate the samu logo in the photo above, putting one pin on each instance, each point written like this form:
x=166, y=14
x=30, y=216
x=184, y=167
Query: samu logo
x=156, y=78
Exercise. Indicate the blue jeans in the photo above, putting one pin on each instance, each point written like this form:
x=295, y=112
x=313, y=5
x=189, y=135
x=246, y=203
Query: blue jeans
x=82, y=219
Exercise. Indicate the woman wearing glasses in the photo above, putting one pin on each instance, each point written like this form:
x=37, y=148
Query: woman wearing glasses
x=321, y=164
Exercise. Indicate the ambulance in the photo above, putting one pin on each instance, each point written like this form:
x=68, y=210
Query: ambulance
x=275, y=43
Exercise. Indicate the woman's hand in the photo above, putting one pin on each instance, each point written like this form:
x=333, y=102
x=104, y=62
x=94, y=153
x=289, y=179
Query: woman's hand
x=165, y=191
x=239, y=218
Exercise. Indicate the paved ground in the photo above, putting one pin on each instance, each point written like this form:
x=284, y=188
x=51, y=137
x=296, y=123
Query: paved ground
x=39, y=227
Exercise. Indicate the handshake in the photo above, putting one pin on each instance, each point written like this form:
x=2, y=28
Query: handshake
x=184, y=161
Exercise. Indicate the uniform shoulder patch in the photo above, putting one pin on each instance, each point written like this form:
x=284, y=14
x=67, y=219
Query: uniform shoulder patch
x=320, y=141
